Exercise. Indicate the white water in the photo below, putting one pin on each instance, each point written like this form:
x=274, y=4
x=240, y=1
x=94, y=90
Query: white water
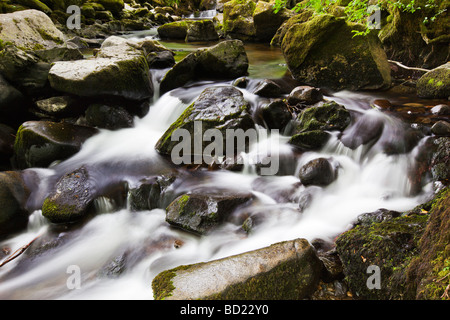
x=368, y=180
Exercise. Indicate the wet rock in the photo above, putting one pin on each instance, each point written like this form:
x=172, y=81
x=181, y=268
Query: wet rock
x=318, y=172
x=441, y=110
x=220, y=108
x=36, y=30
x=39, y=143
x=366, y=129
x=268, y=89
x=292, y=265
x=59, y=105
x=276, y=114
x=226, y=60
x=71, y=198
x=160, y=60
x=106, y=117
x=202, y=212
x=324, y=52
x=441, y=128
x=380, y=215
x=435, y=83
x=13, y=196
x=310, y=140
x=152, y=194
x=330, y=116
x=440, y=161
x=305, y=95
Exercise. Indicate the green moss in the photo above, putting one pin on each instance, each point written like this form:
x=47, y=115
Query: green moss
x=162, y=284
x=57, y=213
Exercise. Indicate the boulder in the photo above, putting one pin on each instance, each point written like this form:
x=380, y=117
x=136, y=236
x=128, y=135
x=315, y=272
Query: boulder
x=202, y=31
x=268, y=89
x=117, y=70
x=174, y=30
x=204, y=212
x=35, y=28
x=115, y=6
x=305, y=95
x=267, y=21
x=238, y=19
x=221, y=108
x=58, y=106
x=13, y=196
x=287, y=270
x=310, y=140
x=276, y=114
x=441, y=128
x=107, y=117
x=71, y=198
x=225, y=60
x=435, y=84
x=39, y=143
x=324, y=52
x=329, y=116
x=319, y=172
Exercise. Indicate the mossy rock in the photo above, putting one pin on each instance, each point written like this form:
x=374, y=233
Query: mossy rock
x=115, y=6
x=310, y=140
x=287, y=270
x=267, y=22
x=238, y=19
x=389, y=245
x=174, y=30
x=329, y=116
x=435, y=84
x=39, y=143
x=323, y=52
x=35, y=4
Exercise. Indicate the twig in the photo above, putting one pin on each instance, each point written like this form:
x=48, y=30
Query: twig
x=408, y=68
x=18, y=252
x=445, y=294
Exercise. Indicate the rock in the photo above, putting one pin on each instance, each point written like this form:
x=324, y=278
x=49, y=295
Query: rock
x=440, y=161
x=388, y=245
x=226, y=60
x=36, y=30
x=267, y=22
x=57, y=106
x=203, y=212
x=319, y=172
x=305, y=95
x=7, y=136
x=152, y=194
x=39, y=143
x=328, y=116
x=222, y=108
x=268, y=89
x=12, y=101
x=71, y=198
x=160, y=60
x=115, y=6
x=324, y=52
x=238, y=19
x=276, y=114
x=380, y=215
x=13, y=196
x=117, y=70
x=174, y=30
x=366, y=129
x=441, y=128
x=310, y=140
x=441, y=110
x=201, y=31
x=107, y=117
x=435, y=84
x=303, y=16
x=283, y=271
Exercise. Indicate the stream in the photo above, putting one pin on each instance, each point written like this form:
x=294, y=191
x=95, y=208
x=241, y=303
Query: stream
x=142, y=243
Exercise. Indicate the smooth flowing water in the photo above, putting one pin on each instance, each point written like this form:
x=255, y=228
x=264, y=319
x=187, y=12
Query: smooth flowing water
x=142, y=243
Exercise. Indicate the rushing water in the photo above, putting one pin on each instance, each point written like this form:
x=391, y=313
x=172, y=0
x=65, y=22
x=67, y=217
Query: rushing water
x=368, y=179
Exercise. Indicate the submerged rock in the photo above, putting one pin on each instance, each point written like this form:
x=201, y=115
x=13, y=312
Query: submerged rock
x=203, y=212
x=324, y=52
x=287, y=270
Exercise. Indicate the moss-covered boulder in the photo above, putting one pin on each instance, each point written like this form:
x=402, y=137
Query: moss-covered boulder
x=13, y=197
x=39, y=143
x=324, y=52
x=225, y=60
x=71, y=198
x=329, y=116
x=238, y=19
x=114, y=6
x=287, y=270
x=310, y=140
x=428, y=273
x=36, y=30
x=188, y=30
x=435, y=83
x=267, y=21
x=221, y=108
x=203, y=212
x=174, y=30
x=385, y=247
